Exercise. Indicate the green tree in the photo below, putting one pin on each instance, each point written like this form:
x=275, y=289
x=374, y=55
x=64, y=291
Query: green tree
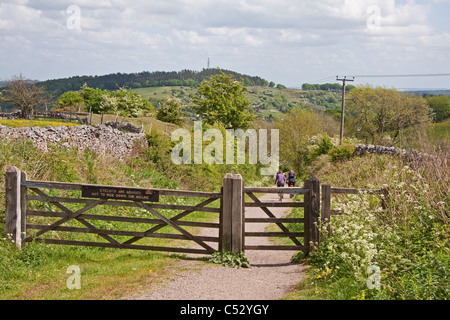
x=222, y=100
x=71, y=99
x=296, y=128
x=441, y=107
x=384, y=116
x=171, y=110
x=94, y=99
x=126, y=103
x=131, y=104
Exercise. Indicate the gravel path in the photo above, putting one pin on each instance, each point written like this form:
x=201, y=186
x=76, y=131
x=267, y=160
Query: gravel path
x=271, y=276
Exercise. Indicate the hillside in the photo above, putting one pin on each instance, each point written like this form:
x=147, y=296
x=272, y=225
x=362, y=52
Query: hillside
x=156, y=86
x=268, y=102
x=186, y=78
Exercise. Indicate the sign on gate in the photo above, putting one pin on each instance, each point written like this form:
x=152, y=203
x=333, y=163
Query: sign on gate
x=119, y=193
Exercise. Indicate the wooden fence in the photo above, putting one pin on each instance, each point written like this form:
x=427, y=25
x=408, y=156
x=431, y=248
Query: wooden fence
x=328, y=191
x=17, y=213
x=68, y=213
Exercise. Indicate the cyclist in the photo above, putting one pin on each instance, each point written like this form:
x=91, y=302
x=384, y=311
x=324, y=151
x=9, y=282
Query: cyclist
x=291, y=180
x=280, y=180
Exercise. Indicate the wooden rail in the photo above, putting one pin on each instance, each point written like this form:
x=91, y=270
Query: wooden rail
x=310, y=192
x=21, y=191
x=328, y=191
x=25, y=224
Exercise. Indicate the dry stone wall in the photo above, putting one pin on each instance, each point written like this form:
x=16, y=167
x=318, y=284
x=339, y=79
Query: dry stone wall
x=100, y=138
x=361, y=150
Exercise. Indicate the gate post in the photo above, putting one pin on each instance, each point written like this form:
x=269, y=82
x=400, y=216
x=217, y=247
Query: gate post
x=315, y=211
x=307, y=217
x=13, y=214
x=326, y=207
x=312, y=214
x=232, y=217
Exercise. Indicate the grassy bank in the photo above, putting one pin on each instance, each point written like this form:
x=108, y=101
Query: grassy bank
x=39, y=271
x=399, y=253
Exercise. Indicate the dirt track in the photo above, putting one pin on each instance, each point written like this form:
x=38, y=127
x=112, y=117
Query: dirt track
x=271, y=276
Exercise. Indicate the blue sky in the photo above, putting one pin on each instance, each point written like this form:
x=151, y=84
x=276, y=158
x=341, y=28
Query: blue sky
x=285, y=41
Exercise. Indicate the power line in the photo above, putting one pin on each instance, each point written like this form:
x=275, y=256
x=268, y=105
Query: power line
x=402, y=75
x=321, y=80
x=386, y=76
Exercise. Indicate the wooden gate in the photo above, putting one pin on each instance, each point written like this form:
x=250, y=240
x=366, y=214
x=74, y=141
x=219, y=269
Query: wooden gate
x=310, y=206
x=237, y=199
x=59, y=213
x=69, y=214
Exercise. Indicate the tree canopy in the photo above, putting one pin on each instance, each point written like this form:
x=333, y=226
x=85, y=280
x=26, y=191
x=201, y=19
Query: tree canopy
x=122, y=101
x=114, y=81
x=441, y=107
x=384, y=116
x=171, y=110
x=296, y=128
x=222, y=100
x=326, y=87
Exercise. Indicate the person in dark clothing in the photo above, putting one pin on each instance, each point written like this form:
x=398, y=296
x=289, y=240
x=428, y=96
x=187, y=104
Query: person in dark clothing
x=291, y=179
x=280, y=179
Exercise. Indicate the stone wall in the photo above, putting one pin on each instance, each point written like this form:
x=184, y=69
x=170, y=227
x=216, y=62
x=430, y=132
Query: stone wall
x=100, y=138
x=361, y=150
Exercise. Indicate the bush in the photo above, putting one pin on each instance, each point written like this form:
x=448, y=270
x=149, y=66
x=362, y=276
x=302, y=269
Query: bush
x=341, y=153
x=171, y=111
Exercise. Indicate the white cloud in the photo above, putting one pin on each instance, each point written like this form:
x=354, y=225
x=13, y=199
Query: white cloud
x=275, y=39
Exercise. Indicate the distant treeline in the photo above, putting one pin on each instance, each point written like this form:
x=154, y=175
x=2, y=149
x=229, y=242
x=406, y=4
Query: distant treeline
x=115, y=81
x=326, y=87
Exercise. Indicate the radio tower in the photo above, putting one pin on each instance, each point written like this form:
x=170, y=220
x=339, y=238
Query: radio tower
x=208, y=64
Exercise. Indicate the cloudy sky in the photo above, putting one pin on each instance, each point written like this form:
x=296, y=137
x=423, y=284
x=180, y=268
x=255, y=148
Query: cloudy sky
x=285, y=41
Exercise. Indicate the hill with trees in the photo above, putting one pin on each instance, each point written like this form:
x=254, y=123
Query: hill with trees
x=188, y=78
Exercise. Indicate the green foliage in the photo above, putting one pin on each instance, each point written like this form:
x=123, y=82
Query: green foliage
x=230, y=259
x=222, y=100
x=408, y=241
x=158, y=151
x=70, y=99
x=305, y=135
x=129, y=103
x=341, y=153
x=326, y=87
x=440, y=132
x=441, y=107
x=171, y=110
x=188, y=78
x=385, y=116
x=125, y=103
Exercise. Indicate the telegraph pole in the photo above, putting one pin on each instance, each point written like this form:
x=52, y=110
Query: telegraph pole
x=344, y=80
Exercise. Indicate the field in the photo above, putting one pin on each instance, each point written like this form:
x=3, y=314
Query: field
x=17, y=123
